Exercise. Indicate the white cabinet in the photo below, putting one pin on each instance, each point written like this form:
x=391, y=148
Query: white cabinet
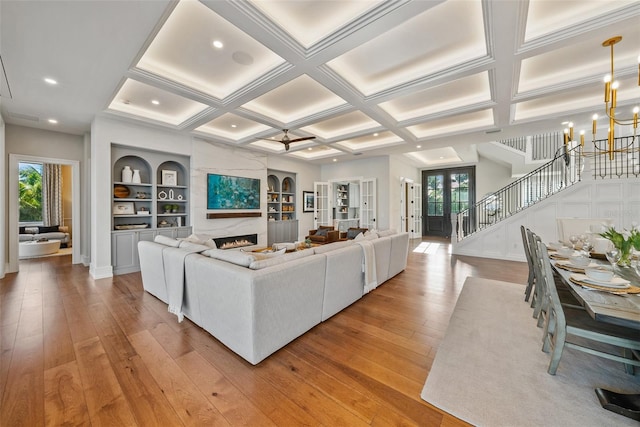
x=124, y=246
x=282, y=231
x=281, y=207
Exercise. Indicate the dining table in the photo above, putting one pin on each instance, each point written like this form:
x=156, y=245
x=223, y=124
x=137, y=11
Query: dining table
x=616, y=306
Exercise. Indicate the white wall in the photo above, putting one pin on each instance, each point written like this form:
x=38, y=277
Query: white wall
x=618, y=199
x=491, y=176
x=4, y=248
x=399, y=167
x=104, y=133
x=226, y=160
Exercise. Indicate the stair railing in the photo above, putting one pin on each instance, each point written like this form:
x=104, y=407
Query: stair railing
x=621, y=160
x=561, y=172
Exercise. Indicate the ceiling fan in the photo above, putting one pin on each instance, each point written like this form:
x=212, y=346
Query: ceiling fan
x=286, y=140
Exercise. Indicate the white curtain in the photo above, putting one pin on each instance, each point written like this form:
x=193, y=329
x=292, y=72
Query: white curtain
x=52, y=194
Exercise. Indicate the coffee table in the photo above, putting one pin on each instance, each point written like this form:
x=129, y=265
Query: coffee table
x=38, y=248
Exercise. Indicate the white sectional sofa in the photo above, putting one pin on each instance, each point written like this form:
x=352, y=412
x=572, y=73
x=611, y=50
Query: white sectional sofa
x=257, y=306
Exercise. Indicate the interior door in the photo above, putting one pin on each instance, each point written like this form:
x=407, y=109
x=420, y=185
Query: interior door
x=321, y=208
x=369, y=203
x=416, y=201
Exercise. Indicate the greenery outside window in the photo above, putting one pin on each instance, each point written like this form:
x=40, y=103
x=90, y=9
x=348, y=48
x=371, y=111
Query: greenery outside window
x=30, y=182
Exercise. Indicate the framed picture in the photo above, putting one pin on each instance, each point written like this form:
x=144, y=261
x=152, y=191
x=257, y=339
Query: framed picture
x=169, y=177
x=232, y=192
x=308, y=200
x=124, y=208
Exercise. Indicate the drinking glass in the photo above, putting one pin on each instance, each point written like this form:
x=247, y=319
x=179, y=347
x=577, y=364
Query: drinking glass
x=613, y=256
x=587, y=245
x=573, y=239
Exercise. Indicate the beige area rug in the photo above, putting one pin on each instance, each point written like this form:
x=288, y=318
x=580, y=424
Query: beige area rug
x=490, y=369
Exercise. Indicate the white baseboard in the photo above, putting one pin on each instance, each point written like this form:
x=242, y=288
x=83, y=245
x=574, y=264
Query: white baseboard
x=100, y=272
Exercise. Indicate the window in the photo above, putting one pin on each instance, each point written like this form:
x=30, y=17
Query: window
x=30, y=182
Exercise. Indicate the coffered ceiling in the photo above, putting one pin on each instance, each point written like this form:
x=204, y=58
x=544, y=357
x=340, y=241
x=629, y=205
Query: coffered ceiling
x=364, y=77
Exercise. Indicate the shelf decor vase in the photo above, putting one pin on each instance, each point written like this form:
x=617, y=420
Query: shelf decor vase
x=136, y=176
x=127, y=174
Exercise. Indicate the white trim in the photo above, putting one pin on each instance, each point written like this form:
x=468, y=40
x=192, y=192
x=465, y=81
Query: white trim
x=14, y=160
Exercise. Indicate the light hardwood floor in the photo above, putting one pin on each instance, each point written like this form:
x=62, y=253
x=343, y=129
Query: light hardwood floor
x=77, y=351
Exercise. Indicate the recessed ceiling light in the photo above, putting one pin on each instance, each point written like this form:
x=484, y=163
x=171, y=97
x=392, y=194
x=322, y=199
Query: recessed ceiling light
x=50, y=81
x=234, y=126
x=418, y=146
x=309, y=148
x=155, y=102
x=441, y=157
x=53, y=121
x=217, y=44
x=375, y=134
x=564, y=123
x=335, y=160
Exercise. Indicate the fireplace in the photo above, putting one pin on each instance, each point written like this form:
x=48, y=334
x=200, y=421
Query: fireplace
x=232, y=242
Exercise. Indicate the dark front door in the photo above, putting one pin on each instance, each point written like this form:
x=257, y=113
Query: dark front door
x=446, y=191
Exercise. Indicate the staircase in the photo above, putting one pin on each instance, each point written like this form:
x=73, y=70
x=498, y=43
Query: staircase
x=570, y=165
x=523, y=154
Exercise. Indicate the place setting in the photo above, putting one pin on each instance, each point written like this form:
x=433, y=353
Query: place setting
x=604, y=279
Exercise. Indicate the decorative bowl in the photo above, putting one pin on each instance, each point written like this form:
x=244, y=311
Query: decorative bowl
x=565, y=252
x=580, y=261
x=599, y=274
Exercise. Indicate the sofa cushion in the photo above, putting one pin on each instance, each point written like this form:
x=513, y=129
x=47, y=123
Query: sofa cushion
x=389, y=232
x=240, y=258
x=31, y=230
x=48, y=229
x=268, y=262
x=167, y=241
x=359, y=236
x=331, y=246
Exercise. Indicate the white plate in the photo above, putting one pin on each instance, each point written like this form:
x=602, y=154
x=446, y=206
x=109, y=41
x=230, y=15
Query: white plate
x=615, y=283
x=569, y=264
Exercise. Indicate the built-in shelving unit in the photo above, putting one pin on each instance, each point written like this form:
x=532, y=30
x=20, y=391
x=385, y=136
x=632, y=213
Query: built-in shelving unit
x=156, y=201
x=281, y=207
x=342, y=201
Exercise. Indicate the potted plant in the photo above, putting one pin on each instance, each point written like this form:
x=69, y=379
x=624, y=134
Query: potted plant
x=167, y=208
x=174, y=208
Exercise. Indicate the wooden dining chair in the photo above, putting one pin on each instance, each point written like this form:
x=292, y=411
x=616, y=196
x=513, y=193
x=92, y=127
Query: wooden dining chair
x=563, y=324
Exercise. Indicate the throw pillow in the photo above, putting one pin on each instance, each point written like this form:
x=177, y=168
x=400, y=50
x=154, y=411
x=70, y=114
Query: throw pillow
x=167, y=241
x=360, y=236
x=201, y=240
x=322, y=232
x=385, y=233
x=234, y=257
x=21, y=230
x=50, y=229
x=31, y=230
